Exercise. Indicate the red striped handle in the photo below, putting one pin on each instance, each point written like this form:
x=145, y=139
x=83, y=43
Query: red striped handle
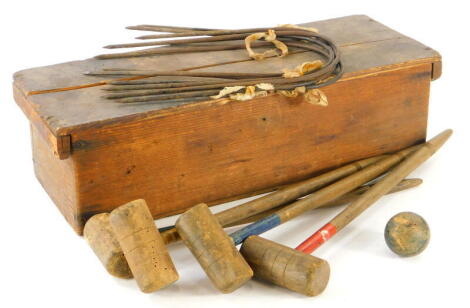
x=317, y=238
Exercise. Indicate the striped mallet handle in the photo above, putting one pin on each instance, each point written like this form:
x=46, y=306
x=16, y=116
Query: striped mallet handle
x=203, y=234
x=378, y=190
x=283, y=196
x=322, y=196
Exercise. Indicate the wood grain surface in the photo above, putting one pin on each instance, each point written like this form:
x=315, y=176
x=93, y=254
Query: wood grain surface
x=143, y=247
x=213, y=248
x=286, y=267
x=177, y=156
x=365, y=45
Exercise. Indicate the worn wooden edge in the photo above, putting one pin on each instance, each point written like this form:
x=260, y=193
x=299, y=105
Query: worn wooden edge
x=61, y=144
x=436, y=69
x=83, y=217
x=207, y=104
x=62, y=150
x=70, y=214
x=43, y=174
x=61, y=140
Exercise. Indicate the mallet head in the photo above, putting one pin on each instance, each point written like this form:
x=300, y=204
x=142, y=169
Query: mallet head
x=286, y=267
x=143, y=246
x=100, y=236
x=213, y=248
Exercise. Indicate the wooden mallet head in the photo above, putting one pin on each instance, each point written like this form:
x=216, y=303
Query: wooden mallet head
x=103, y=241
x=213, y=248
x=101, y=238
x=216, y=252
x=286, y=267
x=143, y=246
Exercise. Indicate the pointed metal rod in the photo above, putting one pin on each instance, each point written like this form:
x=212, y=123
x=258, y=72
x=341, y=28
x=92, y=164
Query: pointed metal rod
x=288, y=37
x=179, y=42
x=163, y=97
x=211, y=33
x=302, y=39
x=154, y=85
x=179, y=49
x=202, y=95
x=229, y=75
x=218, y=38
x=174, y=29
x=168, y=50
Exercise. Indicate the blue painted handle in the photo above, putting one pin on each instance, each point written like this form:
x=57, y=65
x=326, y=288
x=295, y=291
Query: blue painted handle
x=256, y=228
x=165, y=228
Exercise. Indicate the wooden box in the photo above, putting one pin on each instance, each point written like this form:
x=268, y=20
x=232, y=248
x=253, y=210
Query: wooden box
x=92, y=155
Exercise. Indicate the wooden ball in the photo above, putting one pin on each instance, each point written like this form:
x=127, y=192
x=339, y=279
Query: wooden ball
x=407, y=234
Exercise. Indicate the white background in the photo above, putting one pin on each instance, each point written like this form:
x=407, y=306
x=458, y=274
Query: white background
x=44, y=263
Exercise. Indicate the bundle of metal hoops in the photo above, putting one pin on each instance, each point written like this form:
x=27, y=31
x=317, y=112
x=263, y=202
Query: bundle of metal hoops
x=141, y=88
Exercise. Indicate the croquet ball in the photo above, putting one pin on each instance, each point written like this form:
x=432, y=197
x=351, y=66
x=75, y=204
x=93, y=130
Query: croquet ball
x=407, y=234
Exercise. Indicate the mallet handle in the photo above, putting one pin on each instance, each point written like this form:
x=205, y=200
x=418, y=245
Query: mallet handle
x=292, y=192
x=322, y=196
x=170, y=234
x=373, y=194
x=344, y=199
x=280, y=197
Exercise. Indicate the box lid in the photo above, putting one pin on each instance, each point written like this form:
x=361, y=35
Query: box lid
x=366, y=46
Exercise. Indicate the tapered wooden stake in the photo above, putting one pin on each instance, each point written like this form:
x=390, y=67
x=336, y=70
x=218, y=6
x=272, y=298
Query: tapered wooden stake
x=373, y=194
